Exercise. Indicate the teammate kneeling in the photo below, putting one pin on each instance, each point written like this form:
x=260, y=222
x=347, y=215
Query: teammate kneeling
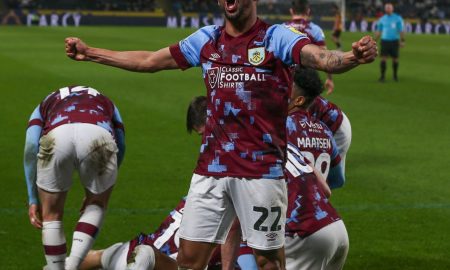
x=74, y=128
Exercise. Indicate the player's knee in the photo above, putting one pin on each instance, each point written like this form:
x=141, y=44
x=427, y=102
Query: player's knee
x=185, y=262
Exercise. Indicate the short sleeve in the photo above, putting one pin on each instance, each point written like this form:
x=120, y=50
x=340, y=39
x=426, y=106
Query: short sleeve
x=187, y=52
x=380, y=25
x=318, y=35
x=36, y=118
x=400, y=24
x=286, y=42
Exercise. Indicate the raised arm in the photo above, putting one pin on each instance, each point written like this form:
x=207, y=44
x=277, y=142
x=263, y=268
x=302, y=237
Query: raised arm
x=139, y=61
x=363, y=51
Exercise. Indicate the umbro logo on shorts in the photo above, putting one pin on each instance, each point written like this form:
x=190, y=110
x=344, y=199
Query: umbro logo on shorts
x=271, y=236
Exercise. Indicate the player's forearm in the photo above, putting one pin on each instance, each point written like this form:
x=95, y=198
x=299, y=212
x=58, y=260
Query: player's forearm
x=139, y=61
x=29, y=162
x=120, y=138
x=328, y=60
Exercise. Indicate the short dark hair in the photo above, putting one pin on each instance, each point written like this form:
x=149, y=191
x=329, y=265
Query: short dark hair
x=300, y=6
x=307, y=83
x=196, y=113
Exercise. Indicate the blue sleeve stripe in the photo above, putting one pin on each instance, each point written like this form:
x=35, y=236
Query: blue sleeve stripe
x=283, y=38
x=191, y=46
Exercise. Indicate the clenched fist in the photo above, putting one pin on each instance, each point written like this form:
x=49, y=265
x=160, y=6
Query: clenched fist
x=76, y=49
x=365, y=50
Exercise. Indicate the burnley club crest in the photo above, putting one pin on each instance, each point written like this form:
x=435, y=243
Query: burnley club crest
x=256, y=56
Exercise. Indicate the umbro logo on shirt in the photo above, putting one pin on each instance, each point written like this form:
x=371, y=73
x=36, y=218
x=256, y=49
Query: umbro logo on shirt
x=214, y=56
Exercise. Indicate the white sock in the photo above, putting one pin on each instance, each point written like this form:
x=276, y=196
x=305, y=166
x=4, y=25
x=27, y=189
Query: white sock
x=84, y=235
x=54, y=243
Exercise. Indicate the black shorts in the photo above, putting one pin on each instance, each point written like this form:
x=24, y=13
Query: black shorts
x=336, y=33
x=390, y=48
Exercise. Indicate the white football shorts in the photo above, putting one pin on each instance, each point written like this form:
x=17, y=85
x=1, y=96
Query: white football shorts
x=87, y=148
x=213, y=203
x=343, y=138
x=325, y=249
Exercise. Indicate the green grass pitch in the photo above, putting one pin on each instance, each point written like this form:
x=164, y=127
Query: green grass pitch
x=396, y=201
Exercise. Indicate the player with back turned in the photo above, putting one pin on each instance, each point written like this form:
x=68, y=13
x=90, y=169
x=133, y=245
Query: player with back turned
x=300, y=13
x=245, y=67
x=74, y=128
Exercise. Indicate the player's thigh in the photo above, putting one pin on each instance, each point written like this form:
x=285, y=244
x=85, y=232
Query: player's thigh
x=395, y=51
x=208, y=212
x=385, y=48
x=56, y=159
x=261, y=208
x=115, y=256
x=97, y=155
x=100, y=199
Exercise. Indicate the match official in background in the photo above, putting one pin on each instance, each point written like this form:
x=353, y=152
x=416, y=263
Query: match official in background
x=390, y=27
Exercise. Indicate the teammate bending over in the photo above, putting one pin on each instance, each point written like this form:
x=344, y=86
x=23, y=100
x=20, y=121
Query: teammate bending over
x=74, y=128
x=240, y=168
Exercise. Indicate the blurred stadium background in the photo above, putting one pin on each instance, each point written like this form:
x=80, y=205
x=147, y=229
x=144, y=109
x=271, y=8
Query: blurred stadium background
x=396, y=202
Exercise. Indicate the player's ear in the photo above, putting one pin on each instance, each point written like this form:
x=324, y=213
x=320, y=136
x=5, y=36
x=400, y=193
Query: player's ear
x=299, y=101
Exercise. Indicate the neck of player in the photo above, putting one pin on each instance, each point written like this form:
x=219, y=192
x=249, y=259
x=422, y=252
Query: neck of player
x=240, y=26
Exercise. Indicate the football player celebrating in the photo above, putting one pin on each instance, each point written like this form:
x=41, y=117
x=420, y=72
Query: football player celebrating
x=240, y=168
x=74, y=128
x=300, y=13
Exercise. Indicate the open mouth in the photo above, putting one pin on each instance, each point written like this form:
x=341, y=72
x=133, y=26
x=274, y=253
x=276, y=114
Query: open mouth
x=231, y=5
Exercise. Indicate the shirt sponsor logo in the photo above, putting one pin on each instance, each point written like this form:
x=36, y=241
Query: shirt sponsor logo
x=232, y=77
x=313, y=127
x=256, y=55
x=213, y=76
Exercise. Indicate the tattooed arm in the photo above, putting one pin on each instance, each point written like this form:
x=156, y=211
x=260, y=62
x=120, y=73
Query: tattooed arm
x=363, y=51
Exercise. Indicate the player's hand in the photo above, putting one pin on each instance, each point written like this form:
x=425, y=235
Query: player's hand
x=34, y=213
x=329, y=86
x=76, y=49
x=365, y=50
